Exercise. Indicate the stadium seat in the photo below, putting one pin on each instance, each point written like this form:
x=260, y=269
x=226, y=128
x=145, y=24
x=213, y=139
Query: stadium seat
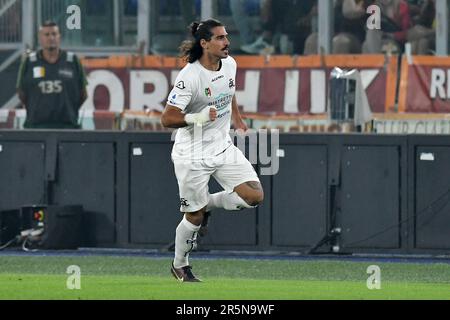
x=105, y=120
x=7, y=119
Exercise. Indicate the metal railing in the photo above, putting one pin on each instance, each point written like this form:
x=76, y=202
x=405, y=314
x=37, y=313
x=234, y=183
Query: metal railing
x=10, y=23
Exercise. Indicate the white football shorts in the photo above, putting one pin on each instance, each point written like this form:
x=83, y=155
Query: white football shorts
x=230, y=168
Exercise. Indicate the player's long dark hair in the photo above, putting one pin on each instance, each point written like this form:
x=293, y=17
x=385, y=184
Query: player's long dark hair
x=191, y=50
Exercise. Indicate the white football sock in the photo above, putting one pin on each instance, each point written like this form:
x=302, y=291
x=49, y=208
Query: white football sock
x=185, y=242
x=228, y=201
x=215, y=201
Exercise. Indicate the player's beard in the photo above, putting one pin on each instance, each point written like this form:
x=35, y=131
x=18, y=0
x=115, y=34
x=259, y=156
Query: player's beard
x=226, y=51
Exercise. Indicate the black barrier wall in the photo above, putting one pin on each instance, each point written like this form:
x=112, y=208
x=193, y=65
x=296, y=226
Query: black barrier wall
x=352, y=184
x=323, y=193
x=429, y=192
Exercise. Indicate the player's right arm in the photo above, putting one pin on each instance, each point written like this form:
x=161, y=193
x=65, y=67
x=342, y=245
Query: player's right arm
x=173, y=117
x=174, y=114
x=22, y=97
x=19, y=85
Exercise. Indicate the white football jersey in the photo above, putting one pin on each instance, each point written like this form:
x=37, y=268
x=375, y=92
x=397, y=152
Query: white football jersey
x=197, y=88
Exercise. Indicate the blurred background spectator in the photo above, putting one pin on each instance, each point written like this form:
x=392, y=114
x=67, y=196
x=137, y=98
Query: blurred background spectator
x=422, y=34
x=241, y=18
x=285, y=26
x=250, y=43
x=349, y=28
x=395, y=23
x=298, y=19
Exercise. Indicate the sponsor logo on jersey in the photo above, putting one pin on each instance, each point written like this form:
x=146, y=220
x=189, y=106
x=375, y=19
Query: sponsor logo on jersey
x=66, y=73
x=180, y=85
x=38, y=72
x=208, y=92
x=217, y=78
x=172, y=99
x=222, y=101
x=231, y=83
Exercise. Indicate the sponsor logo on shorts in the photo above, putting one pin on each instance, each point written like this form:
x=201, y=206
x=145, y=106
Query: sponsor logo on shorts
x=184, y=202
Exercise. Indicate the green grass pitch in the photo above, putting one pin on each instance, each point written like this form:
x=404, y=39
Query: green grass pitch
x=112, y=277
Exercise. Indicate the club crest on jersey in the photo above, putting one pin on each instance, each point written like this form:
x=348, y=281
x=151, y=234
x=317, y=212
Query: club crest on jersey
x=208, y=92
x=38, y=72
x=231, y=83
x=180, y=85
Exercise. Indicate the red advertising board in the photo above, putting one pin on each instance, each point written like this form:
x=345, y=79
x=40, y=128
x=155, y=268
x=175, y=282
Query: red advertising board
x=270, y=85
x=425, y=85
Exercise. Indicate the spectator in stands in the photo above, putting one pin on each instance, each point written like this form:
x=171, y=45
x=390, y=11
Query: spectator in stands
x=297, y=20
x=241, y=19
x=422, y=35
x=395, y=23
x=243, y=24
x=285, y=26
x=51, y=83
x=349, y=28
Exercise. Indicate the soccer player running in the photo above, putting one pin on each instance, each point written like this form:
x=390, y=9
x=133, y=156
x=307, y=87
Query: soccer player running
x=202, y=105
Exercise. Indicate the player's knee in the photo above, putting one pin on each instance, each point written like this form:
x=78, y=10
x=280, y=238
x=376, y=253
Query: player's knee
x=255, y=198
x=196, y=218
